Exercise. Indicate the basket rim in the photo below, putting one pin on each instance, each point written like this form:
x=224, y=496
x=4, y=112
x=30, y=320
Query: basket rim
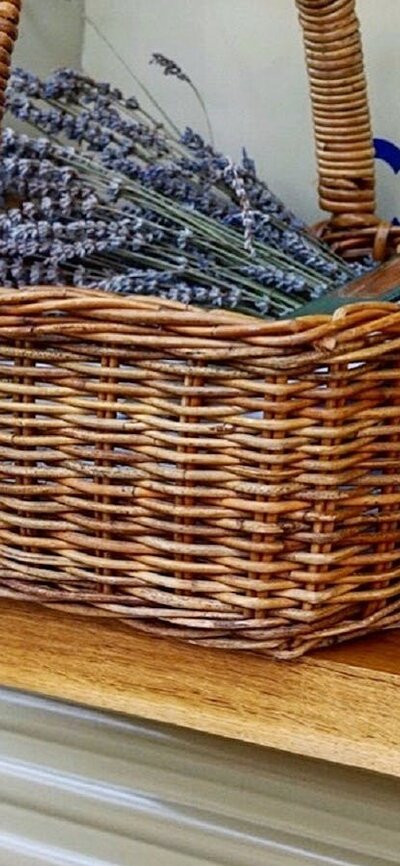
x=49, y=301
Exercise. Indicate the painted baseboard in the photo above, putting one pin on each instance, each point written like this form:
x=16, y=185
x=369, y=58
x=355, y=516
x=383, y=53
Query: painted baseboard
x=82, y=788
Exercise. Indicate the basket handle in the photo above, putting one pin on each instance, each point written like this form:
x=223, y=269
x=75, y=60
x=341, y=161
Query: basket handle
x=339, y=99
x=9, y=19
x=342, y=129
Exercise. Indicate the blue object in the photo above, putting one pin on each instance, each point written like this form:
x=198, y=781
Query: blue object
x=389, y=153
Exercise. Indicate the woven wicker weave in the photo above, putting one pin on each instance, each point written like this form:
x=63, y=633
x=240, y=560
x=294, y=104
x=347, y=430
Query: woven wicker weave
x=204, y=476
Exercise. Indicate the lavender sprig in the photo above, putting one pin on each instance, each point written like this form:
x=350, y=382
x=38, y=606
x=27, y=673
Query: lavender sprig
x=171, y=68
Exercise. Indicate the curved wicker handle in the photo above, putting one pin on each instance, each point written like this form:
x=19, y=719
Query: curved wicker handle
x=342, y=129
x=9, y=19
x=340, y=105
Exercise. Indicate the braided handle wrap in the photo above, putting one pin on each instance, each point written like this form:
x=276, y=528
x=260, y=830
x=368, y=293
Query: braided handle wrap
x=9, y=19
x=340, y=109
x=342, y=129
x=340, y=105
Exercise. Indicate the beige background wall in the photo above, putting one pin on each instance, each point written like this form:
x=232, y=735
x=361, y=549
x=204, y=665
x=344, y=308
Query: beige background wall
x=246, y=58
x=51, y=34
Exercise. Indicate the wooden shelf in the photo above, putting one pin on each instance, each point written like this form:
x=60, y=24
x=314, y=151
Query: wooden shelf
x=341, y=705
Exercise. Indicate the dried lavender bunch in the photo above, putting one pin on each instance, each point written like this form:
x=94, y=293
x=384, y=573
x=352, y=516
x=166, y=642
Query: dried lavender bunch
x=198, y=179
x=64, y=222
x=132, y=208
x=134, y=133
x=117, y=254
x=224, y=249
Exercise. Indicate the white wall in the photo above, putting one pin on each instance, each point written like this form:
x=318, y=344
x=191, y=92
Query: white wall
x=51, y=35
x=246, y=58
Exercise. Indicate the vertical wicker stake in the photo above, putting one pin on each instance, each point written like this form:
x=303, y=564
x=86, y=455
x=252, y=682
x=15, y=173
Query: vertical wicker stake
x=342, y=128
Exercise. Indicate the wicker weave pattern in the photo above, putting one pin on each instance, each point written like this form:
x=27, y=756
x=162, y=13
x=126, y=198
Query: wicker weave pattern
x=211, y=478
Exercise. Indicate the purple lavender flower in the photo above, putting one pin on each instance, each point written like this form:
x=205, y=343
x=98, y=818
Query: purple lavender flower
x=169, y=67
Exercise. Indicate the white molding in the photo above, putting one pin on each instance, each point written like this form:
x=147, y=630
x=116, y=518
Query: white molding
x=120, y=792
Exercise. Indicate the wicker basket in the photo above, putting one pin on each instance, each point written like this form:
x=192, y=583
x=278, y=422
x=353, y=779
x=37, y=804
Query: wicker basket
x=206, y=476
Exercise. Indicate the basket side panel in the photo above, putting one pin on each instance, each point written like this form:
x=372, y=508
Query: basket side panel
x=233, y=485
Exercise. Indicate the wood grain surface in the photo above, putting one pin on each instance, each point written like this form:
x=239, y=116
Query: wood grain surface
x=341, y=705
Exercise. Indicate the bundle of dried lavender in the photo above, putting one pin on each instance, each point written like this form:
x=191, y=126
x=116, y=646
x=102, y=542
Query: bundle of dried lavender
x=111, y=198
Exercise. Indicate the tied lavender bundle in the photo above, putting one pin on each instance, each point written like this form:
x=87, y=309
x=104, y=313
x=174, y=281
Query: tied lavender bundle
x=112, y=198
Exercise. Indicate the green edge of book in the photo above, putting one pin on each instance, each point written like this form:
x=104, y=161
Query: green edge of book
x=329, y=303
